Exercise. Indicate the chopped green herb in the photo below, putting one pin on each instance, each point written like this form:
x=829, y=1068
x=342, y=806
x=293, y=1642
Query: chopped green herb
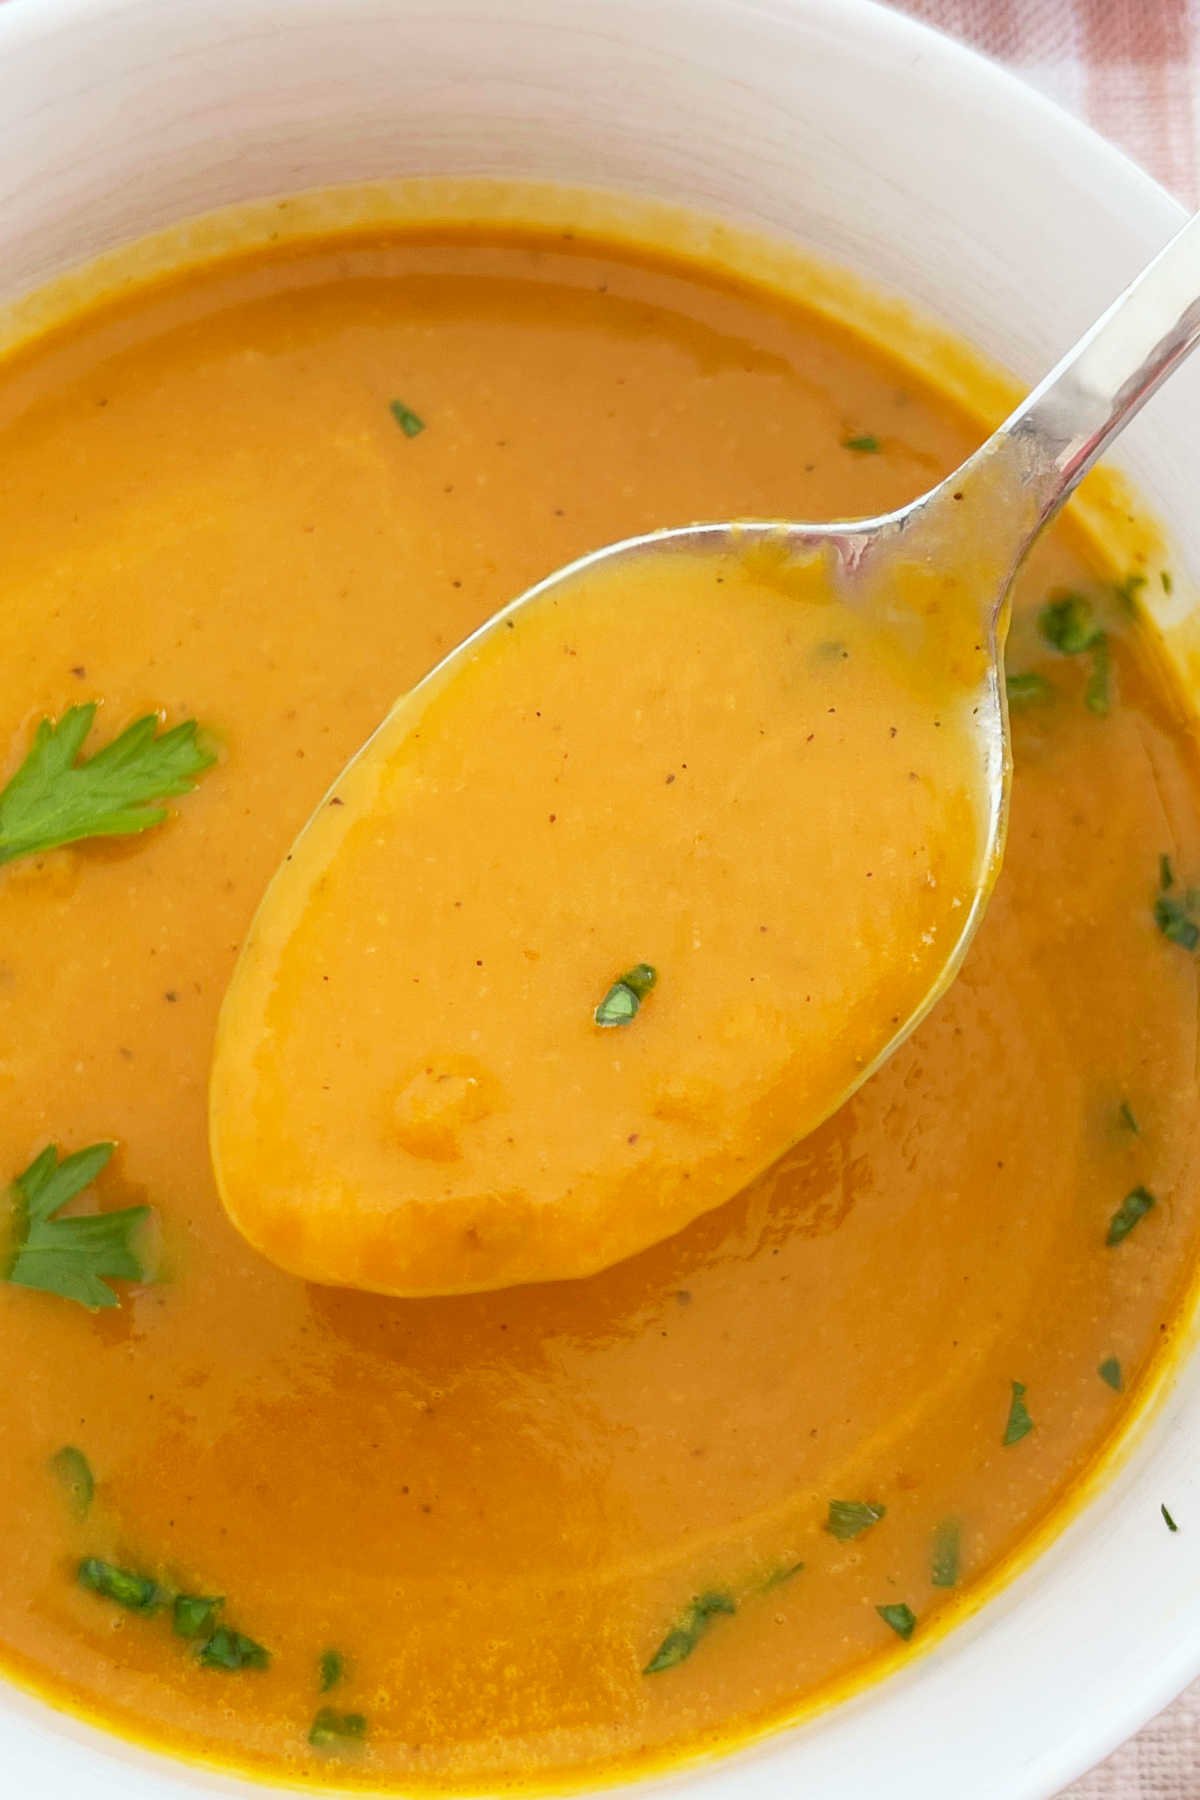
x=1128, y=589
x=1173, y=916
x=70, y=1257
x=331, y=1729
x=1128, y=1118
x=620, y=1005
x=137, y=1593
x=947, y=1548
x=850, y=1518
x=331, y=1668
x=865, y=444
x=228, y=1649
x=682, y=1639
x=410, y=423
x=75, y=1477
x=1110, y=1371
x=1136, y=1204
x=641, y=978
x=1097, y=696
x=1019, y=1422
x=1068, y=624
x=55, y=799
x=901, y=1618
x=1027, y=688
x=1171, y=1525
x=1167, y=580
x=195, y=1615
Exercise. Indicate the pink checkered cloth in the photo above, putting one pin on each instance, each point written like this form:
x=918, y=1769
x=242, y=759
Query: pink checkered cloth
x=1132, y=69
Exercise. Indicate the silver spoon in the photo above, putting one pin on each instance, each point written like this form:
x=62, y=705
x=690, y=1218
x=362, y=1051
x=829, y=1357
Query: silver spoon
x=936, y=576
x=987, y=513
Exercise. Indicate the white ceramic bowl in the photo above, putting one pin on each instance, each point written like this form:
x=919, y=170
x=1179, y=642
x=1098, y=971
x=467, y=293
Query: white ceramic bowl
x=882, y=146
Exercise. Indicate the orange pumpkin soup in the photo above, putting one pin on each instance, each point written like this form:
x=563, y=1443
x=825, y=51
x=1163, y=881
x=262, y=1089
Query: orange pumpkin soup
x=557, y=1531
x=435, y=1072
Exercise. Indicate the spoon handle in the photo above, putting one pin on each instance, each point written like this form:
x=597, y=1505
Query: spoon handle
x=1072, y=416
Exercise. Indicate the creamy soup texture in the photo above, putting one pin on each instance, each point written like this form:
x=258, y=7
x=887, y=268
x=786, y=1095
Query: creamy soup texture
x=588, y=1525
x=428, y=1080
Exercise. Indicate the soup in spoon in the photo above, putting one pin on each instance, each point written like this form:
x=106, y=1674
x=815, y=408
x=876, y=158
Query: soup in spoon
x=608, y=912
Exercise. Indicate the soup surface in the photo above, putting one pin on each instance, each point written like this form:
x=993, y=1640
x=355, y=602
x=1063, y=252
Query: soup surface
x=589, y=1525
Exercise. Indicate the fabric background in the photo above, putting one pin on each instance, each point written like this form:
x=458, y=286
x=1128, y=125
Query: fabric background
x=1132, y=69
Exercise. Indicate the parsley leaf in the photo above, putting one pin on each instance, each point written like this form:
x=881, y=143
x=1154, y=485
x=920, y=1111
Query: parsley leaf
x=865, y=444
x=69, y=1257
x=330, y=1728
x=1068, y=624
x=75, y=1477
x=620, y=1005
x=1167, y=580
x=1173, y=916
x=682, y=1639
x=195, y=1615
x=1128, y=1118
x=410, y=423
x=1026, y=689
x=947, y=1554
x=1136, y=1204
x=1110, y=1371
x=1019, y=1423
x=55, y=799
x=1170, y=1523
x=901, y=1618
x=136, y=1593
x=331, y=1668
x=229, y=1649
x=850, y=1518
